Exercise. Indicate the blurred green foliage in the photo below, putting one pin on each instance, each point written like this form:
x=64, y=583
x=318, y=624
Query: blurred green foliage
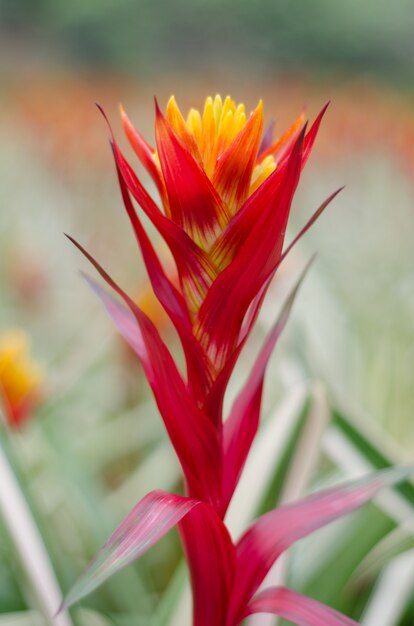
x=143, y=36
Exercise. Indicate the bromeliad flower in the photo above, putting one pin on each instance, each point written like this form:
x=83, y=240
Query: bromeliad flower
x=226, y=194
x=226, y=197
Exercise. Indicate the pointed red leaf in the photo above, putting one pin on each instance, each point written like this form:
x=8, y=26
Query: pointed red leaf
x=315, y=216
x=312, y=134
x=241, y=426
x=256, y=304
x=195, y=269
x=220, y=319
x=273, y=533
x=193, y=202
x=214, y=402
x=199, y=375
x=241, y=225
x=296, y=608
x=192, y=435
x=233, y=170
x=285, y=141
x=167, y=294
x=144, y=151
x=308, y=143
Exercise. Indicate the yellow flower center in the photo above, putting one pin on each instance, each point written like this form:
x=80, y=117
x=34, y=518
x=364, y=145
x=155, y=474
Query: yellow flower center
x=210, y=134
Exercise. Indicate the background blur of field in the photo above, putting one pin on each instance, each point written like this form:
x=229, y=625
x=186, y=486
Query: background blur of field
x=96, y=444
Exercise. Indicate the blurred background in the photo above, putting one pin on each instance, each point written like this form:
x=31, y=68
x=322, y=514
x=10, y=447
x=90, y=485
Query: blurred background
x=86, y=443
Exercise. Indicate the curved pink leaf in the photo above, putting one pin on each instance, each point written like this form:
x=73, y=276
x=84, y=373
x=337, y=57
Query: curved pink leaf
x=148, y=521
x=124, y=321
x=192, y=435
x=296, y=608
x=272, y=533
x=206, y=541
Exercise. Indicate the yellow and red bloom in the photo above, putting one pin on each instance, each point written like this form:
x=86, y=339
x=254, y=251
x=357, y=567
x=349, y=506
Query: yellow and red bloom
x=21, y=378
x=226, y=192
x=226, y=195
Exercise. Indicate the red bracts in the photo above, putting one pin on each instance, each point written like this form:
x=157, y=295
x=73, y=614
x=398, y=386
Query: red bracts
x=225, y=197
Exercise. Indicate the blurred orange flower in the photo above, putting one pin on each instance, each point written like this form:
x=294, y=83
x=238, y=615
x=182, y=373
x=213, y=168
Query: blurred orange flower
x=20, y=377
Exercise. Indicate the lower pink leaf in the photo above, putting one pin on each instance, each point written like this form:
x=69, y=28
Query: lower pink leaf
x=296, y=608
x=148, y=521
x=273, y=533
x=206, y=540
x=124, y=321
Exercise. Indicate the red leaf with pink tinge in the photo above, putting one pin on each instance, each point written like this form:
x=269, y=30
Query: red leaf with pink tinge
x=156, y=514
x=273, y=533
x=193, y=201
x=124, y=321
x=296, y=608
x=193, y=436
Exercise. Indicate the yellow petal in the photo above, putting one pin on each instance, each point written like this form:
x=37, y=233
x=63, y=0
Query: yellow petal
x=178, y=123
x=217, y=106
x=208, y=134
x=194, y=124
